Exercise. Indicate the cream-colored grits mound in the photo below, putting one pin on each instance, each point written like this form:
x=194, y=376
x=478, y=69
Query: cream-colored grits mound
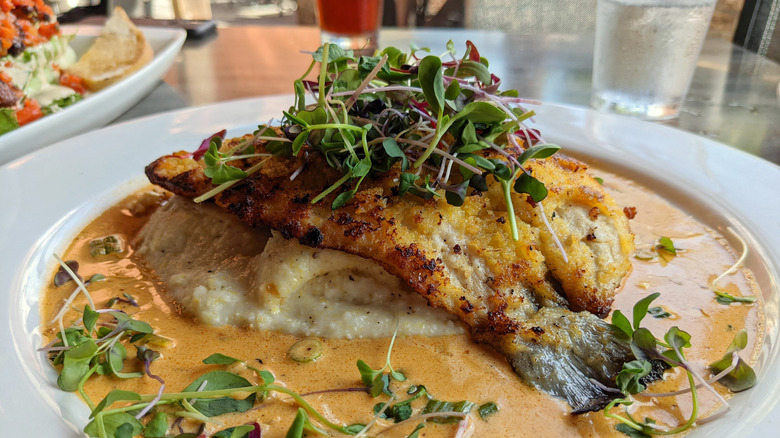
x=226, y=273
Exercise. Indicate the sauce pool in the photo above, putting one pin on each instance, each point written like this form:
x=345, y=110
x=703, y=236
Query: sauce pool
x=452, y=368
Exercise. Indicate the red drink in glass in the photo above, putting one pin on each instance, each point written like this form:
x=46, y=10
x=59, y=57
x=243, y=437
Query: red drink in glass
x=352, y=24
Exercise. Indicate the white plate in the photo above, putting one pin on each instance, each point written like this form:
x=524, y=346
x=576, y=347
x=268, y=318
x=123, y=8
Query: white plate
x=50, y=195
x=98, y=109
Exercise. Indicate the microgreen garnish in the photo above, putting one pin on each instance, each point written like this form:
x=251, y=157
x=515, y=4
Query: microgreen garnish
x=652, y=353
x=62, y=276
x=443, y=122
x=658, y=312
x=377, y=380
x=726, y=298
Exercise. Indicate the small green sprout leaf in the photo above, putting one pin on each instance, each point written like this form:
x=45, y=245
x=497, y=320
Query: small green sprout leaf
x=640, y=308
x=658, y=312
x=666, y=244
x=216, y=167
x=220, y=359
x=157, y=427
x=628, y=380
x=113, y=397
x=726, y=298
x=216, y=380
x=742, y=377
x=538, y=151
x=621, y=323
x=89, y=318
x=118, y=425
x=431, y=82
x=76, y=365
x=525, y=183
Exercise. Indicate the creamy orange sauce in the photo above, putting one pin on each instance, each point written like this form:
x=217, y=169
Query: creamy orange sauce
x=452, y=368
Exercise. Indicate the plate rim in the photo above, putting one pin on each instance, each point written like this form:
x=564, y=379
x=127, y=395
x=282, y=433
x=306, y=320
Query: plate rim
x=112, y=100
x=604, y=131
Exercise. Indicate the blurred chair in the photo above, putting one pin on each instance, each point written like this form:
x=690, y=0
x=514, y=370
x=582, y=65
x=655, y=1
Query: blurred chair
x=757, y=29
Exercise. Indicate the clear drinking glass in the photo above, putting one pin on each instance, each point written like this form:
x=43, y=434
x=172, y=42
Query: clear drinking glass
x=352, y=24
x=645, y=54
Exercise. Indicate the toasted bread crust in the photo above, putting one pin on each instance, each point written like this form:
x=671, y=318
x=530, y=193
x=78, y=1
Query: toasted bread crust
x=120, y=50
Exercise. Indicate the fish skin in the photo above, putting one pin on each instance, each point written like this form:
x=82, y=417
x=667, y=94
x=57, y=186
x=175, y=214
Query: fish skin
x=525, y=298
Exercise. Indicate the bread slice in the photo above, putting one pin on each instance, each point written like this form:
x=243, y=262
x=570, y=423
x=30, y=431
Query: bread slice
x=120, y=50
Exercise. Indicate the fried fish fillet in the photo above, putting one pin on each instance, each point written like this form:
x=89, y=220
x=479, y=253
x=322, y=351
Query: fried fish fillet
x=534, y=299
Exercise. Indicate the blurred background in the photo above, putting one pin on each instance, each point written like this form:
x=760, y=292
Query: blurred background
x=748, y=23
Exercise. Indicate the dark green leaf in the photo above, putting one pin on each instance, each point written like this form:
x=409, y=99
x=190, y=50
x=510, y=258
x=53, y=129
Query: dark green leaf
x=89, y=318
x=658, y=312
x=415, y=433
x=628, y=379
x=342, y=199
x=76, y=365
x=119, y=425
x=469, y=134
x=216, y=167
x=362, y=168
x=457, y=195
x=126, y=322
x=640, y=308
x=157, y=427
x=431, y=82
x=620, y=322
x=335, y=53
x=625, y=429
x=525, y=183
x=296, y=428
x=502, y=171
x=401, y=412
x=381, y=384
x=453, y=90
x=677, y=338
x=267, y=377
x=298, y=142
x=742, y=377
x=217, y=380
x=220, y=359
x=367, y=374
x=479, y=71
x=235, y=432
x=644, y=344
x=393, y=150
x=479, y=182
x=395, y=57
x=538, y=151
x=482, y=112
x=113, y=397
x=115, y=357
x=294, y=120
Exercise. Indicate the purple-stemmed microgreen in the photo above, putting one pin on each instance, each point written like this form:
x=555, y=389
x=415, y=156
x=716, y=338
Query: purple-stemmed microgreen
x=652, y=352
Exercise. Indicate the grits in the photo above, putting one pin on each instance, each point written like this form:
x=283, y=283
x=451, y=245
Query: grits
x=226, y=273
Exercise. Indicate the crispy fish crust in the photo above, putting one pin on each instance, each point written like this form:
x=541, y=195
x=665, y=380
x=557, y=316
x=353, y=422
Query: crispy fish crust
x=533, y=299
